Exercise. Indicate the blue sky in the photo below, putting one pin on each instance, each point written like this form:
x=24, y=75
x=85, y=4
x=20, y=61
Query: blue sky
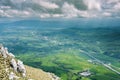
x=60, y=8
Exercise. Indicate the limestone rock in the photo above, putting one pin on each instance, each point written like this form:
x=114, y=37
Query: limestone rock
x=13, y=68
x=3, y=52
x=14, y=64
x=11, y=55
x=12, y=76
x=21, y=68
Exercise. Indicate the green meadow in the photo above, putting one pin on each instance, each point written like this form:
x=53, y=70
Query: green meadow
x=66, y=51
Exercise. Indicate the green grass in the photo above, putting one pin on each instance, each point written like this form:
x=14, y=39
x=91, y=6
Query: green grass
x=63, y=52
x=68, y=64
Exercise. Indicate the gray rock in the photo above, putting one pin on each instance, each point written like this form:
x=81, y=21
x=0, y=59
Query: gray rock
x=17, y=65
x=6, y=50
x=3, y=52
x=12, y=76
x=11, y=55
x=21, y=68
x=14, y=64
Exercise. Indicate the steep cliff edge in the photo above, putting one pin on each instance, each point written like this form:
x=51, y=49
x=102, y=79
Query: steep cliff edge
x=14, y=69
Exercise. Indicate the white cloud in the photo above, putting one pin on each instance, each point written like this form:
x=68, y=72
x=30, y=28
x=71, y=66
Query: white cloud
x=44, y=15
x=93, y=4
x=4, y=14
x=5, y=7
x=46, y=4
x=16, y=13
x=57, y=15
x=107, y=14
x=117, y=6
x=112, y=1
x=46, y=8
x=69, y=10
x=17, y=1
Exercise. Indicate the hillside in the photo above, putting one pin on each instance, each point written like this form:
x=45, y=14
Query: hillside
x=13, y=69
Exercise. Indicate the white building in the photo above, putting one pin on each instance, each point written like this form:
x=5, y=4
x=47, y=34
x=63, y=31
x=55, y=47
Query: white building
x=85, y=73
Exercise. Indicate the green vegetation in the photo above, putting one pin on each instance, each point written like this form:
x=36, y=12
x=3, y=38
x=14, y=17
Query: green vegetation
x=66, y=51
x=69, y=64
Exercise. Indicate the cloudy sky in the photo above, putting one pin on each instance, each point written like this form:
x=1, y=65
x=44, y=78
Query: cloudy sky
x=60, y=8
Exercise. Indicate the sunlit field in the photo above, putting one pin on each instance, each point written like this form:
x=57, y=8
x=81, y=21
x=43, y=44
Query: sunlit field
x=66, y=47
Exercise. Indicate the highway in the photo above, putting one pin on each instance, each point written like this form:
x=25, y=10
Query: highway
x=100, y=62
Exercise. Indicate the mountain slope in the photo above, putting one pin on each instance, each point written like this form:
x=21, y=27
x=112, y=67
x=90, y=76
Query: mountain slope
x=38, y=74
x=13, y=69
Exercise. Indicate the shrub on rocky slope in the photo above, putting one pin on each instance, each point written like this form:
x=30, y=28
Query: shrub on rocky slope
x=13, y=69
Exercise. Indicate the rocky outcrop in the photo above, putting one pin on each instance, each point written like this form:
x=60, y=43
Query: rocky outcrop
x=3, y=51
x=18, y=66
x=14, y=69
x=13, y=64
x=12, y=76
x=21, y=68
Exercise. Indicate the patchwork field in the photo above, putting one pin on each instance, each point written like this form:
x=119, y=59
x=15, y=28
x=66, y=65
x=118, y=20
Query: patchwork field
x=68, y=51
